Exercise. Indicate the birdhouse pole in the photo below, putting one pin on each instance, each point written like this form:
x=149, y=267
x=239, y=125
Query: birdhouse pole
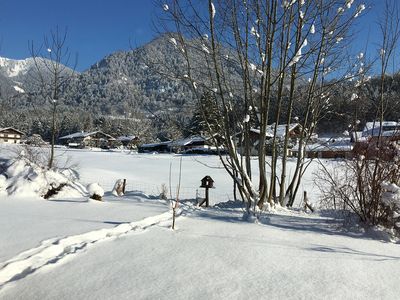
x=207, y=182
x=207, y=199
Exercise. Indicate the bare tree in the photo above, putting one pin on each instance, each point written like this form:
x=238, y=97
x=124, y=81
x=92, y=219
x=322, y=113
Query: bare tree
x=274, y=46
x=54, y=68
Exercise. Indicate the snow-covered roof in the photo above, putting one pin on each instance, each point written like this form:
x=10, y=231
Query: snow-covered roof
x=74, y=135
x=155, y=144
x=126, y=138
x=376, y=124
x=188, y=141
x=11, y=128
x=83, y=134
x=342, y=144
x=280, y=130
x=389, y=128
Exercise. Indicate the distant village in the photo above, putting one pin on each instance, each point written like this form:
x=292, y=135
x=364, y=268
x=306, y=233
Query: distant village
x=339, y=147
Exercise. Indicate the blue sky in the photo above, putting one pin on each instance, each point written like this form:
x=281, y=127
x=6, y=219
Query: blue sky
x=96, y=28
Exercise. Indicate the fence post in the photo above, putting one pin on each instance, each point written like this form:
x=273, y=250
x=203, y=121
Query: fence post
x=123, y=186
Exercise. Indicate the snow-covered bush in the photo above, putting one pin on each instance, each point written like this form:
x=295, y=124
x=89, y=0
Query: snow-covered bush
x=37, y=156
x=95, y=191
x=391, y=199
x=27, y=175
x=366, y=186
x=24, y=178
x=164, y=192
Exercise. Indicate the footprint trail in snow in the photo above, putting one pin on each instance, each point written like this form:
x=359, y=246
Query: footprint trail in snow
x=52, y=250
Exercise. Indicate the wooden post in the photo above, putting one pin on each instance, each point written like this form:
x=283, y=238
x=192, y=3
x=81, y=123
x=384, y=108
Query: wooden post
x=207, y=197
x=123, y=186
x=173, y=217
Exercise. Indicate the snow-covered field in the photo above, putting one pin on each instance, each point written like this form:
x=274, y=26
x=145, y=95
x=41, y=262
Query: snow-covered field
x=123, y=248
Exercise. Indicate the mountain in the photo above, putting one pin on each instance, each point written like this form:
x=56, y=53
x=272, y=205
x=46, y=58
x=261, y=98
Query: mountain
x=21, y=76
x=12, y=68
x=137, y=92
x=142, y=80
x=126, y=85
x=128, y=81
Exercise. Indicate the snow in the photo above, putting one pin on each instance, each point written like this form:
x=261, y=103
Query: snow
x=389, y=128
x=82, y=134
x=360, y=9
x=187, y=141
x=27, y=179
x=312, y=30
x=123, y=248
x=173, y=41
x=299, y=54
x=280, y=130
x=18, y=89
x=126, y=138
x=254, y=32
x=205, y=49
x=349, y=3
x=213, y=11
x=13, y=67
x=340, y=144
x=95, y=189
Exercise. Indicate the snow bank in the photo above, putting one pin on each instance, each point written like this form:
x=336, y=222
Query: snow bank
x=23, y=178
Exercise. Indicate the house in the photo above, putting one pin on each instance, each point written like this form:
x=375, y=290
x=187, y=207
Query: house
x=379, y=141
x=369, y=143
x=254, y=137
x=189, y=143
x=161, y=147
x=389, y=128
x=10, y=135
x=83, y=139
x=197, y=145
x=128, y=141
x=329, y=148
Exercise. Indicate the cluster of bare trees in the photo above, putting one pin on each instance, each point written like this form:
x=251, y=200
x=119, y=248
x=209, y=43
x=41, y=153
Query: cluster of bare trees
x=286, y=52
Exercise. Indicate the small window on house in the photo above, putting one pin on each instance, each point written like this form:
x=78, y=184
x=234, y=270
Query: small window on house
x=5, y=141
x=5, y=135
x=15, y=141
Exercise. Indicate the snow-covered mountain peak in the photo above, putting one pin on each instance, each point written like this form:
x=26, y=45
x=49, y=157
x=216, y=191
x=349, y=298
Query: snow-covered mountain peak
x=13, y=67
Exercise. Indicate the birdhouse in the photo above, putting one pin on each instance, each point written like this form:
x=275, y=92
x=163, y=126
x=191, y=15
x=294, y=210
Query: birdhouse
x=207, y=182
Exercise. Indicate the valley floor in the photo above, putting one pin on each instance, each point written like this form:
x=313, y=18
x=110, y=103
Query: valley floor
x=123, y=248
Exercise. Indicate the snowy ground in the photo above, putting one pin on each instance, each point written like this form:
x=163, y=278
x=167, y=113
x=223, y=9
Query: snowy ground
x=123, y=248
